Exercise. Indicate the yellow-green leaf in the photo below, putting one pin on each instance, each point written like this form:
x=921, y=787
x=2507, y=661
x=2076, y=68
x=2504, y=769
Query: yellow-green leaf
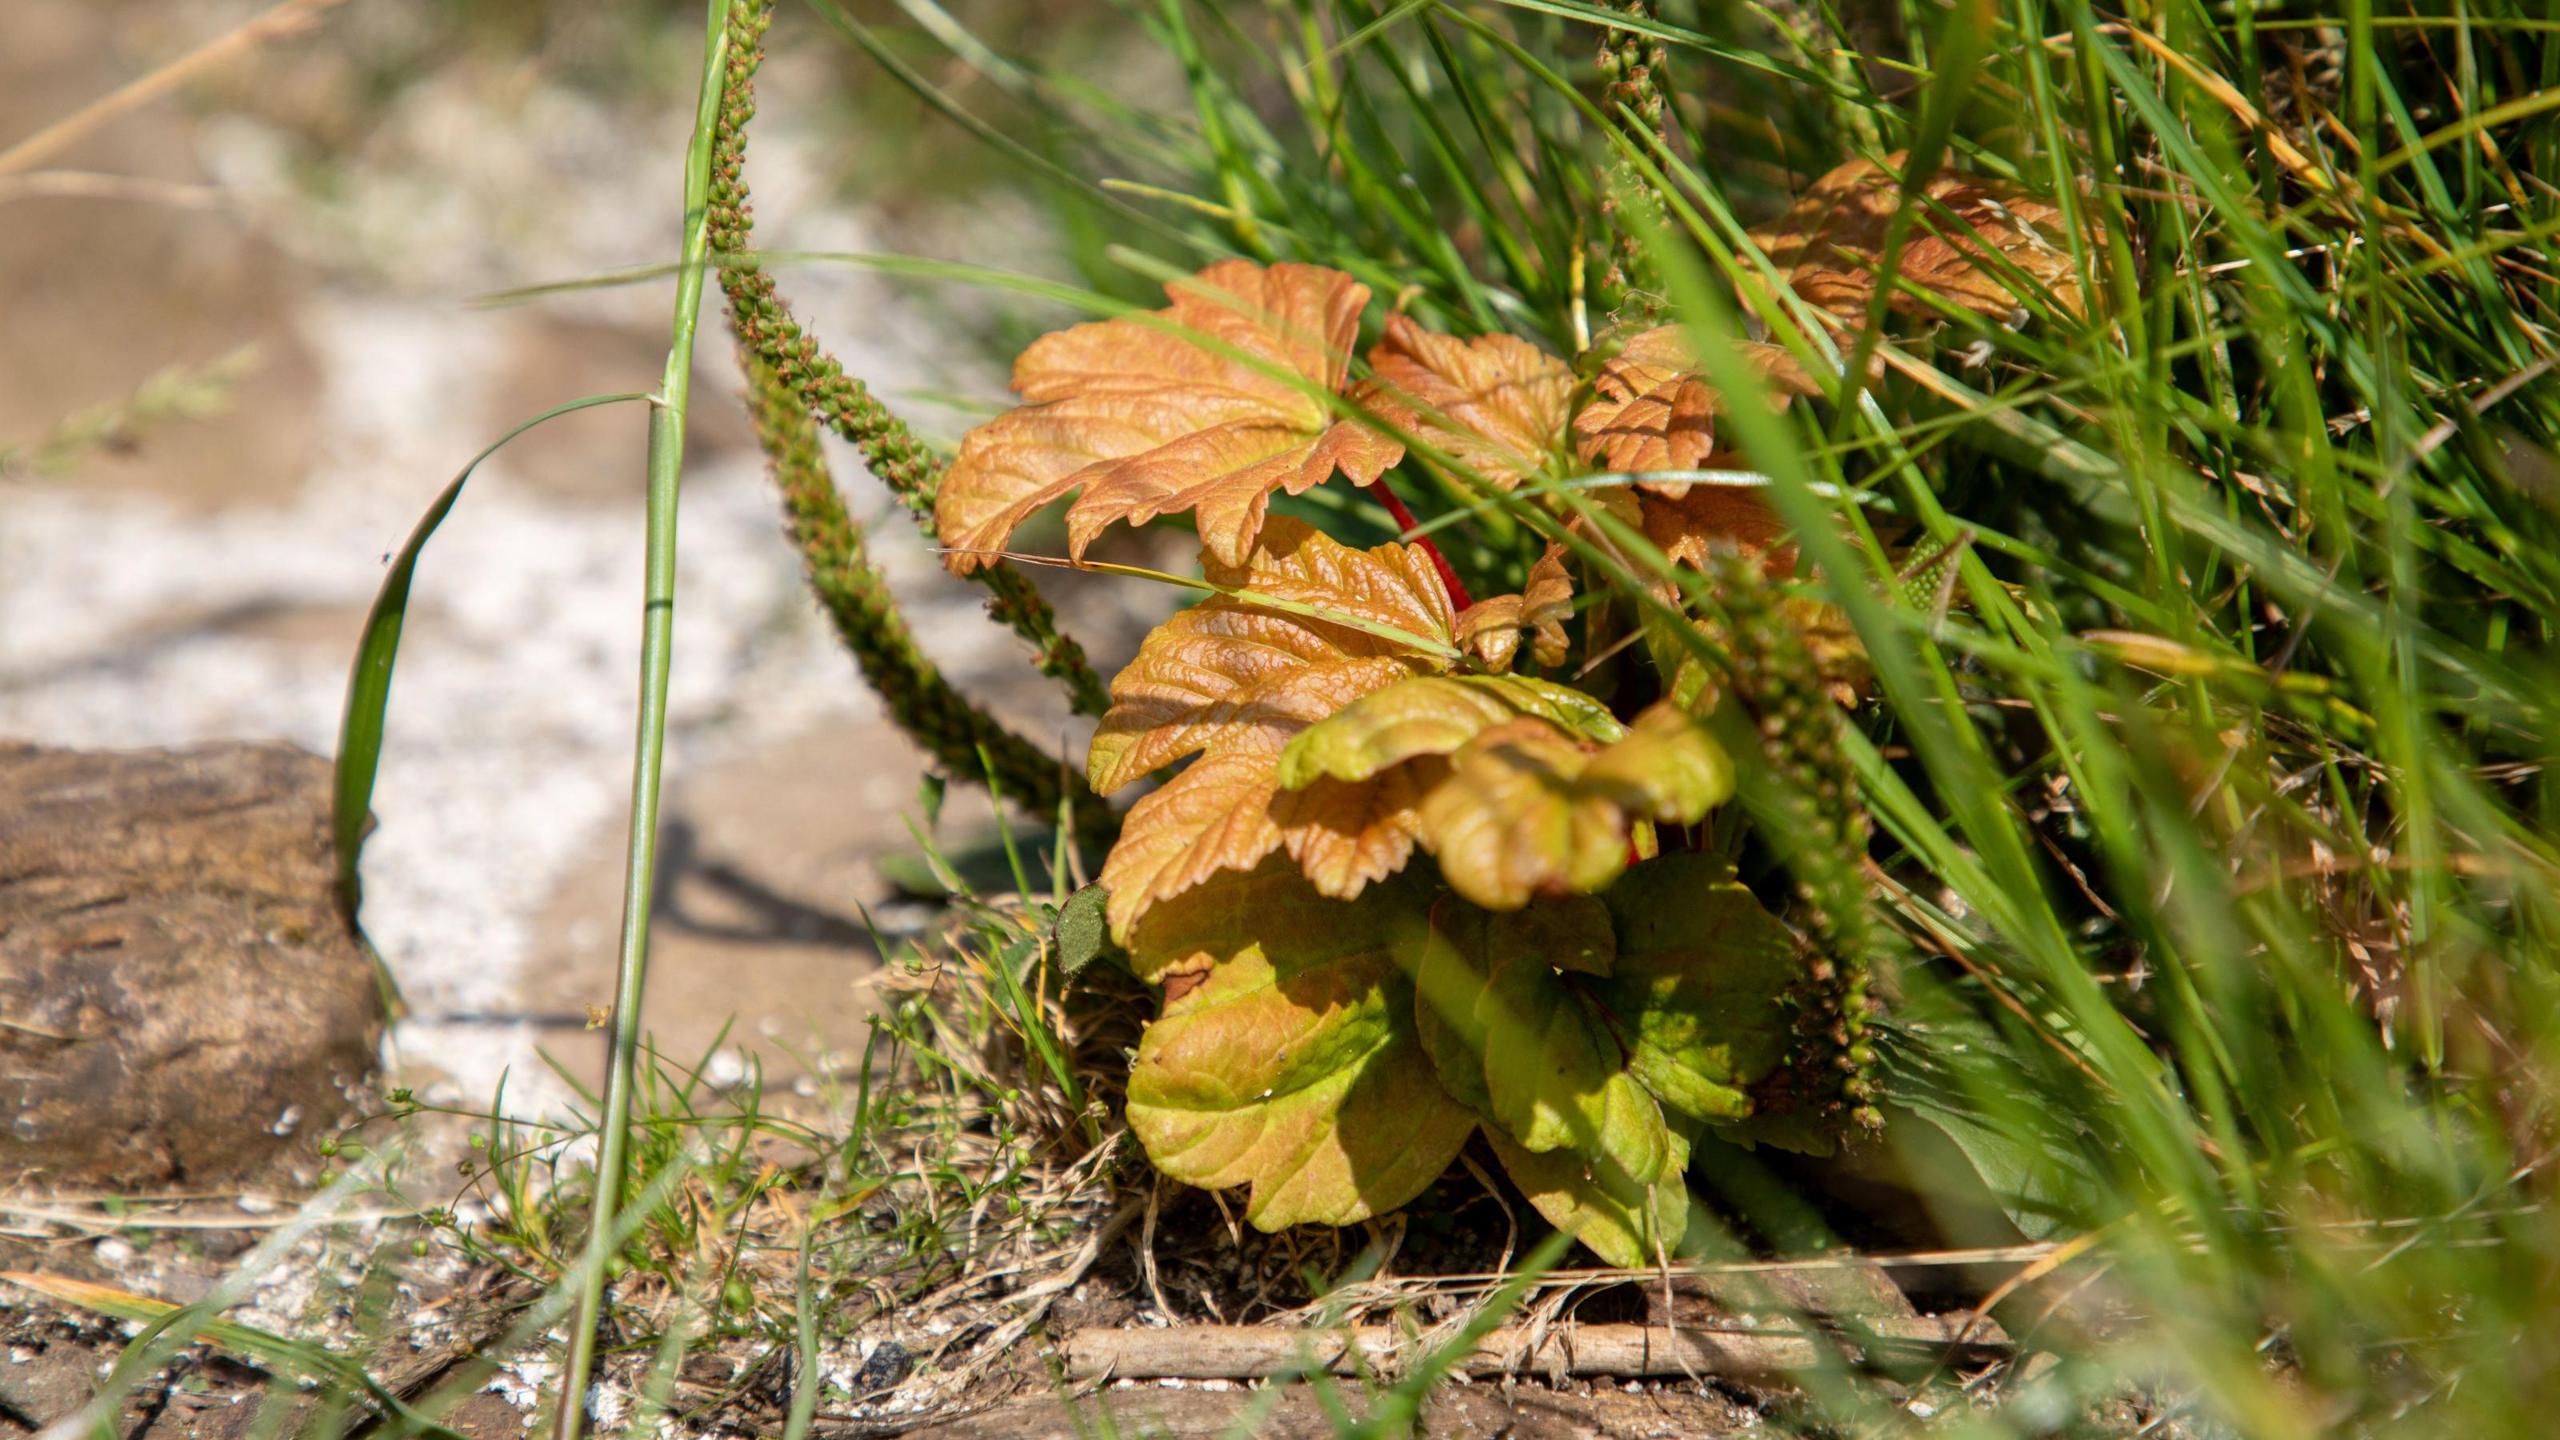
x=1511, y=824
x=1506, y=1035
x=1598, y=1199
x=1666, y=768
x=1294, y=1068
x=1701, y=986
x=1432, y=715
x=1529, y=811
x=1527, y=1048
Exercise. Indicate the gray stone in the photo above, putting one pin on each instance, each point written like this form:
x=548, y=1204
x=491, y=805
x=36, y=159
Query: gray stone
x=181, y=999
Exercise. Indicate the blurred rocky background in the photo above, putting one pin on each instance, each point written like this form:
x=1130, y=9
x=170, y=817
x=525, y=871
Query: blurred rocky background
x=246, y=340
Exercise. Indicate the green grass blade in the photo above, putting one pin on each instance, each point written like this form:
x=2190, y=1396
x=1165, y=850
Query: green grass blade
x=369, y=682
x=657, y=637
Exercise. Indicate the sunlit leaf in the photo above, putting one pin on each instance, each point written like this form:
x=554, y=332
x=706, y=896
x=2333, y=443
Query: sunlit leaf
x=1686, y=527
x=1830, y=243
x=1528, y=810
x=1192, y=931
x=1433, y=715
x=1214, y=816
x=1511, y=823
x=1652, y=409
x=1293, y=1068
x=1227, y=667
x=1519, y=1042
x=1494, y=404
x=1625, y=1221
x=1505, y=1034
x=1491, y=628
x=1192, y=410
x=1347, y=834
x=1701, y=985
x=1665, y=768
x=1235, y=680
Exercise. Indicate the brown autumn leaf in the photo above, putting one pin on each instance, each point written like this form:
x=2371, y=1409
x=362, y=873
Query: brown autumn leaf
x=1496, y=404
x=1685, y=528
x=1830, y=243
x=1233, y=679
x=1190, y=409
x=1490, y=629
x=1651, y=409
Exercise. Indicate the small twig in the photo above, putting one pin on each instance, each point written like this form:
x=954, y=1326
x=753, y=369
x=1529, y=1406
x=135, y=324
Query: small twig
x=1978, y=1320
x=1253, y=1352
x=92, y=185
x=999, y=1345
x=103, y=1224
x=1510, y=1221
x=290, y=18
x=1147, y=1248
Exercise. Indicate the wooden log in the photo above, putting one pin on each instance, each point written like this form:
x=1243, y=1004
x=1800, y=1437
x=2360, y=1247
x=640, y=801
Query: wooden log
x=1626, y=1352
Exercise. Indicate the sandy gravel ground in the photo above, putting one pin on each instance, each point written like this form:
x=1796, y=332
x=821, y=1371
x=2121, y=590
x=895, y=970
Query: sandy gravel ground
x=210, y=582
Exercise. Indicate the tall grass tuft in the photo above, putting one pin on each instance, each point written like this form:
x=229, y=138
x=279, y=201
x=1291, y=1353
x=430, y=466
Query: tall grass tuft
x=2213, y=822
x=2192, y=822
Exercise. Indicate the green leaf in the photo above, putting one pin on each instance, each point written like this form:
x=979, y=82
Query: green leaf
x=369, y=681
x=1598, y=1198
x=1432, y=715
x=1507, y=1035
x=1521, y=1044
x=1083, y=934
x=1293, y=1067
x=1702, y=985
x=2026, y=1157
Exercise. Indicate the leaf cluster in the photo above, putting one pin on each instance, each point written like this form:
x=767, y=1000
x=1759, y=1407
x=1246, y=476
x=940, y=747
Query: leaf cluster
x=1338, y=1019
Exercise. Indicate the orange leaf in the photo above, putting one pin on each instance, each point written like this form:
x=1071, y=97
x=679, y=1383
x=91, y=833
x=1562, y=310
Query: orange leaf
x=1651, y=409
x=1511, y=824
x=1214, y=816
x=1491, y=628
x=1195, y=410
x=1346, y=834
x=1233, y=680
x=1228, y=666
x=1496, y=404
x=1830, y=243
x=1686, y=527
